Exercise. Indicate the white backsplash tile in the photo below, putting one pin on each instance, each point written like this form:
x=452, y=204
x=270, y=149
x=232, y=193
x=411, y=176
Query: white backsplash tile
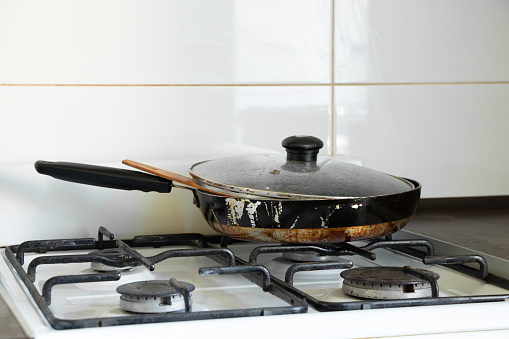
x=451, y=138
x=113, y=123
x=165, y=41
x=387, y=41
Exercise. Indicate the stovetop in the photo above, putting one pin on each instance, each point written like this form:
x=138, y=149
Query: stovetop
x=244, y=298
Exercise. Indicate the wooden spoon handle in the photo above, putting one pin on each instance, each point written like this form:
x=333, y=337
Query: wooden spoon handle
x=168, y=175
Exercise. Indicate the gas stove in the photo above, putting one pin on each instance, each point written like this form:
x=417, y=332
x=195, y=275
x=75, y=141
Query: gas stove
x=176, y=283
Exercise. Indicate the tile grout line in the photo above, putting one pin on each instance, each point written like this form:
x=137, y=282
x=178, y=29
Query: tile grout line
x=264, y=85
x=163, y=85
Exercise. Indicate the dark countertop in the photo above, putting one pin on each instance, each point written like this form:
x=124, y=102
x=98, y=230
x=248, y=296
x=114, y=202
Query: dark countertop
x=8, y=324
x=478, y=223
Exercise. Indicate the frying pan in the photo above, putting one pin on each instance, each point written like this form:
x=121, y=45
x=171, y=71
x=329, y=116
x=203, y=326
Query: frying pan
x=298, y=221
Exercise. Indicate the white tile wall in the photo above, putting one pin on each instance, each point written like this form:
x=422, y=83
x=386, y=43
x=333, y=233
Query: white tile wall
x=418, y=88
x=451, y=138
x=165, y=41
x=113, y=123
x=415, y=41
x=431, y=94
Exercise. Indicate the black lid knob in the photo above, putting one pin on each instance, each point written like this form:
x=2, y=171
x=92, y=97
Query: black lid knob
x=302, y=147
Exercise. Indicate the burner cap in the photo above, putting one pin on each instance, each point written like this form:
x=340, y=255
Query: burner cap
x=117, y=255
x=385, y=283
x=153, y=296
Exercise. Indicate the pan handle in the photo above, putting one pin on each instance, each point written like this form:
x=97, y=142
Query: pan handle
x=102, y=176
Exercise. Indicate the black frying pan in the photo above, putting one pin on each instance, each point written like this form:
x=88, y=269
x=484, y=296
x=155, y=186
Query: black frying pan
x=267, y=220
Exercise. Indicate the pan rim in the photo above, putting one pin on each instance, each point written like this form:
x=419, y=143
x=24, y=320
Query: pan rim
x=285, y=197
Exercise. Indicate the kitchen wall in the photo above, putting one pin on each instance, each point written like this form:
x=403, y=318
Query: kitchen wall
x=415, y=88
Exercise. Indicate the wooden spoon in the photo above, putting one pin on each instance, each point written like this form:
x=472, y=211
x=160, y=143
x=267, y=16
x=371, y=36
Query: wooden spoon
x=170, y=176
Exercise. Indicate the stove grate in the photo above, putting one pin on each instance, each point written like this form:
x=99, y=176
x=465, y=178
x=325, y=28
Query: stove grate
x=221, y=255
x=403, y=246
x=297, y=300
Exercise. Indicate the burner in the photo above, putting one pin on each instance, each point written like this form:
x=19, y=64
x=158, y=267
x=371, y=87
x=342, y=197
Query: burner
x=153, y=296
x=385, y=283
x=310, y=256
x=116, y=255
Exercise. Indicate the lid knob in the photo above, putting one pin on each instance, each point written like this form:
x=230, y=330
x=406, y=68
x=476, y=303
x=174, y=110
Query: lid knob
x=302, y=147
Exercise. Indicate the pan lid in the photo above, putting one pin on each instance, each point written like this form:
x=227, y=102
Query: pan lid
x=298, y=175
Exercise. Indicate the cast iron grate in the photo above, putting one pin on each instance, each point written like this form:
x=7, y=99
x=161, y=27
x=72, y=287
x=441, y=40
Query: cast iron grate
x=216, y=248
x=408, y=247
x=254, y=273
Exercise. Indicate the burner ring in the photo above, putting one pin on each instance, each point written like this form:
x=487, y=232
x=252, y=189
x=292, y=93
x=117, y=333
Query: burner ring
x=117, y=255
x=153, y=296
x=386, y=283
x=310, y=256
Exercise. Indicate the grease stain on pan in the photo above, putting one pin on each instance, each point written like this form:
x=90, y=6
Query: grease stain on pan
x=325, y=220
x=251, y=209
x=294, y=223
x=236, y=208
x=275, y=211
x=307, y=236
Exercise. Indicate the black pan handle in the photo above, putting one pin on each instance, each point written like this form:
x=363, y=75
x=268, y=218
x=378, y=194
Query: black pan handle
x=102, y=176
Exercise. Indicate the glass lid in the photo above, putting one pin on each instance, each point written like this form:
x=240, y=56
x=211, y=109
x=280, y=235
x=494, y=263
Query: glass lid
x=298, y=175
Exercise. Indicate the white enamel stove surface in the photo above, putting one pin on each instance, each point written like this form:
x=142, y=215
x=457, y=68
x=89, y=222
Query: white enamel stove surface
x=88, y=300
